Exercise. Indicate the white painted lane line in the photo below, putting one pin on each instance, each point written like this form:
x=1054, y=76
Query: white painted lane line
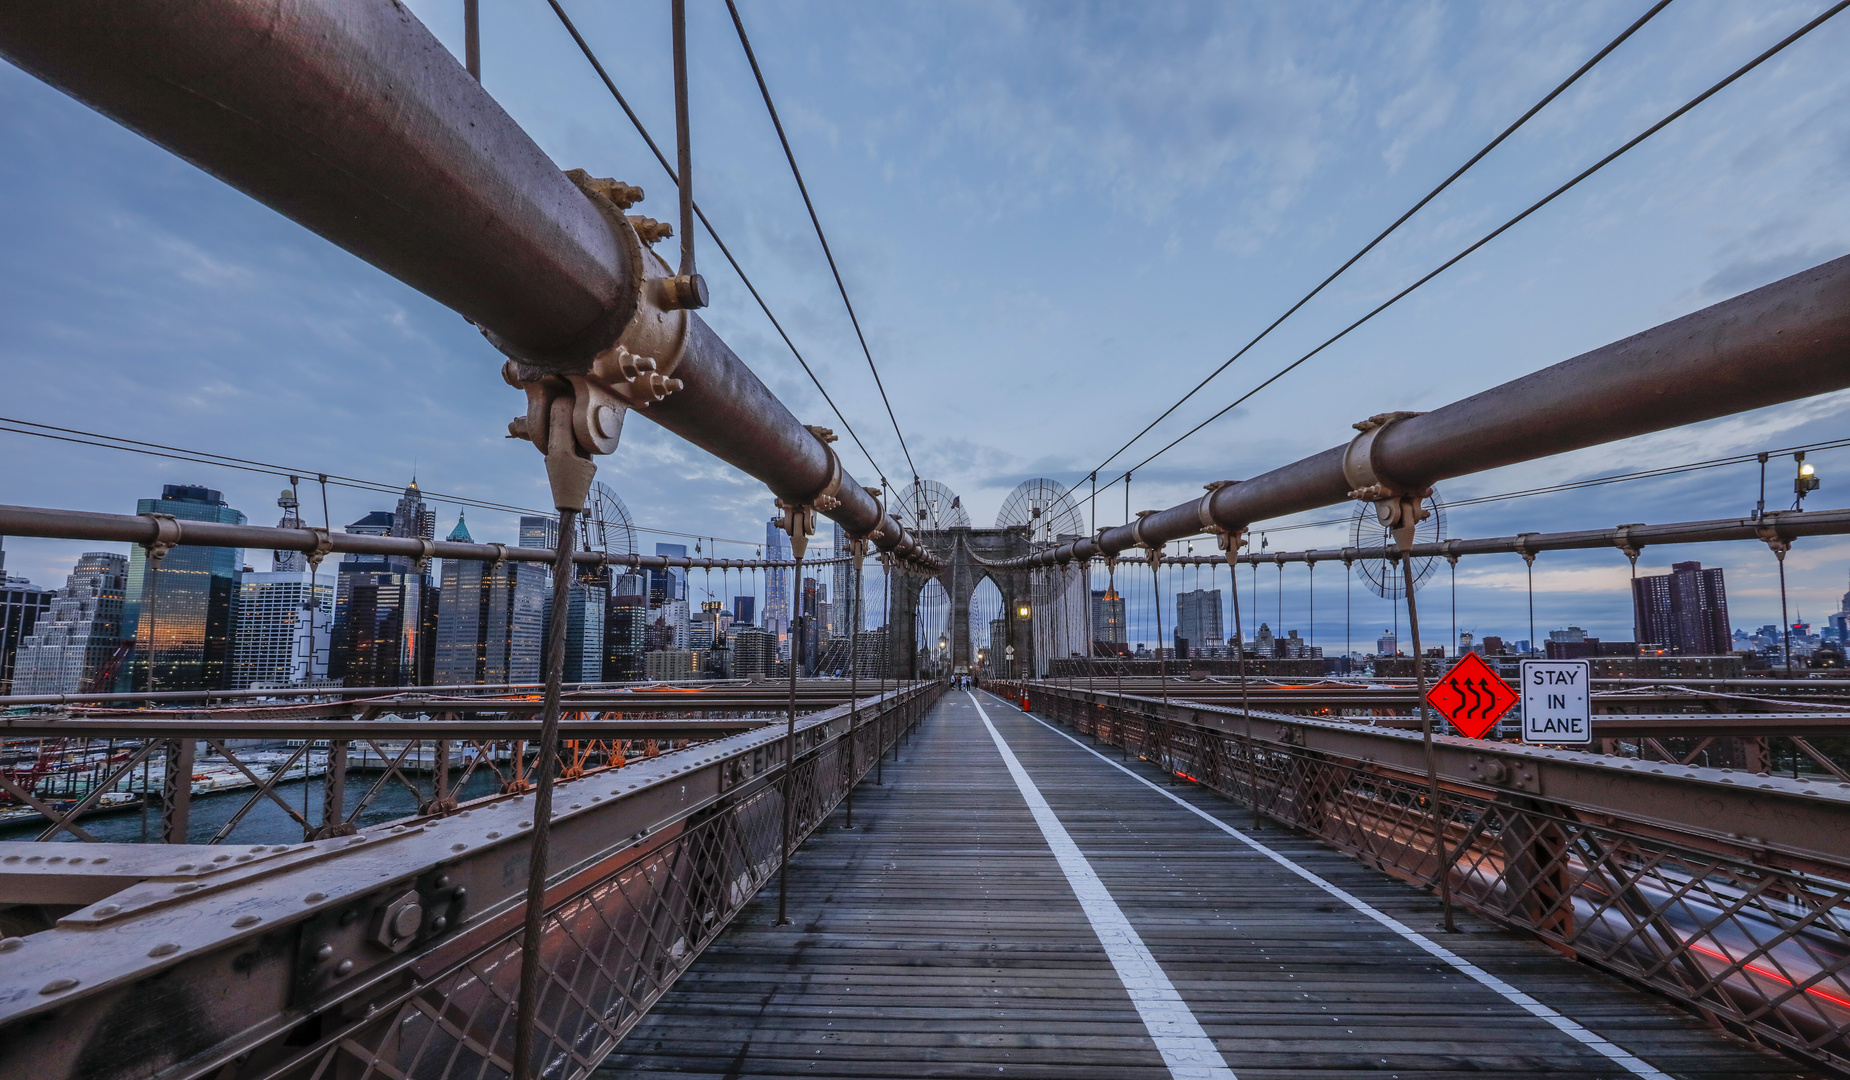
x=1186, y=1049
x=1626, y=1060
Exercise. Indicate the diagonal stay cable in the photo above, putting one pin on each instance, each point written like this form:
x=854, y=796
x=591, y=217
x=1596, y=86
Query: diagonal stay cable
x=1398, y=222
x=227, y=461
x=803, y=188
x=1506, y=226
x=636, y=121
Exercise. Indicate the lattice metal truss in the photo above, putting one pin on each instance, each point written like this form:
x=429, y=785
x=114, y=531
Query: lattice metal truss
x=1749, y=937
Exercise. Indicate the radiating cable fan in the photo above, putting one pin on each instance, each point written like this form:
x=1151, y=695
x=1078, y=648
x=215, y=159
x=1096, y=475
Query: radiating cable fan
x=928, y=506
x=1045, y=508
x=1383, y=576
x=606, y=523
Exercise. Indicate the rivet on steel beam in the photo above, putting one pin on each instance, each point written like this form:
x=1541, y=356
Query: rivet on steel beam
x=57, y=986
x=165, y=948
x=246, y=920
x=11, y=944
x=314, y=898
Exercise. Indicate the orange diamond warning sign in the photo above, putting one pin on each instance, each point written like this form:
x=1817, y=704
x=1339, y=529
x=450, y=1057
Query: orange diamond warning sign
x=1471, y=696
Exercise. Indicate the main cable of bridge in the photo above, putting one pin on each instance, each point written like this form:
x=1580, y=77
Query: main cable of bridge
x=1398, y=222
x=1589, y=171
x=1601, y=481
x=636, y=121
x=803, y=189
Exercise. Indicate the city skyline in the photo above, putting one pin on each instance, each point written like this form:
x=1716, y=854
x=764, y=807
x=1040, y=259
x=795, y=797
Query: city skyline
x=1207, y=200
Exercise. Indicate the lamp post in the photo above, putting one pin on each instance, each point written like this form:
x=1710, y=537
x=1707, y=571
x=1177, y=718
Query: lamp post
x=1022, y=611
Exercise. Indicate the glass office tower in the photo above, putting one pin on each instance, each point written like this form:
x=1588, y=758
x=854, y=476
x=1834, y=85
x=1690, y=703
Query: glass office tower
x=180, y=613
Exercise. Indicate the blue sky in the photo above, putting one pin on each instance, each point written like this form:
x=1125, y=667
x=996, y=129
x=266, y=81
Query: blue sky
x=1052, y=218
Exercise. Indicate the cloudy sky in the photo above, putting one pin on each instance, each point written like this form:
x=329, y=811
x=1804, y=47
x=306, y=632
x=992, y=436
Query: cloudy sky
x=1053, y=218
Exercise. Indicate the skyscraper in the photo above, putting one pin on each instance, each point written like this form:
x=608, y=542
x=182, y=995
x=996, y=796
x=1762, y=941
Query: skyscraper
x=1108, y=617
x=539, y=532
x=180, y=611
x=845, y=622
x=666, y=586
x=490, y=623
x=1198, y=621
x=414, y=519
x=585, y=611
x=743, y=610
x=277, y=642
x=1686, y=609
x=381, y=608
x=624, y=623
x=72, y=645
x=21, y=605
x=777, y=585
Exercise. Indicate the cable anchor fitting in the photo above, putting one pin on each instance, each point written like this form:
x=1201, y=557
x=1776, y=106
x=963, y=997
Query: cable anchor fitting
x=1398, y=507
x=166, y=537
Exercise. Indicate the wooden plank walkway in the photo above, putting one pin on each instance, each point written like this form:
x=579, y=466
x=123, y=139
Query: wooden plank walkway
x=941, y=938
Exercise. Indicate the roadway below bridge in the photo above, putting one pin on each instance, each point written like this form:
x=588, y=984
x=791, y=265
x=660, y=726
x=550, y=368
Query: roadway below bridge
x=1014, y=902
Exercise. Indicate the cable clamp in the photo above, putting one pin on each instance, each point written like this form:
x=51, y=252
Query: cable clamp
x=500, y=559
x=1153, y=554
x=1204, y=509
x=1522, y=547
x=1622, y=538
x=879, y=529
x=1398, y=507
x=426, y=550
x=166, y=537
x=324, y=546
x=1771, y=535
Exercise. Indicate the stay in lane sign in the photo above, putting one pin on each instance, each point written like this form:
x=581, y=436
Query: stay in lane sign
x=1471, y=696
x=1556, y=707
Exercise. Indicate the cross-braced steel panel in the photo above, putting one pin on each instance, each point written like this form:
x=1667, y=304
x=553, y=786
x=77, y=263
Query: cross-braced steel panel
x=1756, y=943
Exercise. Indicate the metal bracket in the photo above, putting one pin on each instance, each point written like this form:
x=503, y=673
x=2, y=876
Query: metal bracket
x=426, y=551
x=324, y=546
x=1397, y=506
x=166, y=537
x=1204, y=510
x=879, y=529
x=1771, y=535
x=1522, y=547
x=1624, y=541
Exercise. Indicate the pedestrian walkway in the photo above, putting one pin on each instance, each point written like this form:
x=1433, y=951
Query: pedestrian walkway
x=1014, y=903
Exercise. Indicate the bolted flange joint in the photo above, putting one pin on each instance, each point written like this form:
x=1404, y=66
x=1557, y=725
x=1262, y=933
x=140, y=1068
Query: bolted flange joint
x=579, y=395
x=798, y=518
x=1398, y=507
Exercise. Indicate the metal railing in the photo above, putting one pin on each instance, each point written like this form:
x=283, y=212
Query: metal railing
x=395, y=952
x=1733, y=909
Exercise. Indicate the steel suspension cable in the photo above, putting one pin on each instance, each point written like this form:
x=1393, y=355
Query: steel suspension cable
x=228, y=461
x=1590, y=170
x=636, y=121
x=1398, y=222
x=789, y=156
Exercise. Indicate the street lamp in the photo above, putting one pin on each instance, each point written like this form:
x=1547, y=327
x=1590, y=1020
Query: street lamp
x=1021, y=612
x=1806, y=482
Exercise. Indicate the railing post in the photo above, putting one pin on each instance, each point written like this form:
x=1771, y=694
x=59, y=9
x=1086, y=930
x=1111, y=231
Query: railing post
x=334, y=791
x=177, y=791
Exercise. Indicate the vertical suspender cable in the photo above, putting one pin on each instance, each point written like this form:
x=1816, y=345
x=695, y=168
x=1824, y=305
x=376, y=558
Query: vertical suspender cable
x=1439, y=819
x=684, y=148
x=527, y=1005
x=472, y=38
x=790, y=748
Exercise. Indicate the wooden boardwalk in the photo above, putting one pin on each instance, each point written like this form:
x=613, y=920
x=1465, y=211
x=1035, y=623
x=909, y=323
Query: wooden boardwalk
x=944, y=936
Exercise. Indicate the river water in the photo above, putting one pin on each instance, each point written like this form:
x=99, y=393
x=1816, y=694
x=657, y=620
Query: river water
x=266, y=823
